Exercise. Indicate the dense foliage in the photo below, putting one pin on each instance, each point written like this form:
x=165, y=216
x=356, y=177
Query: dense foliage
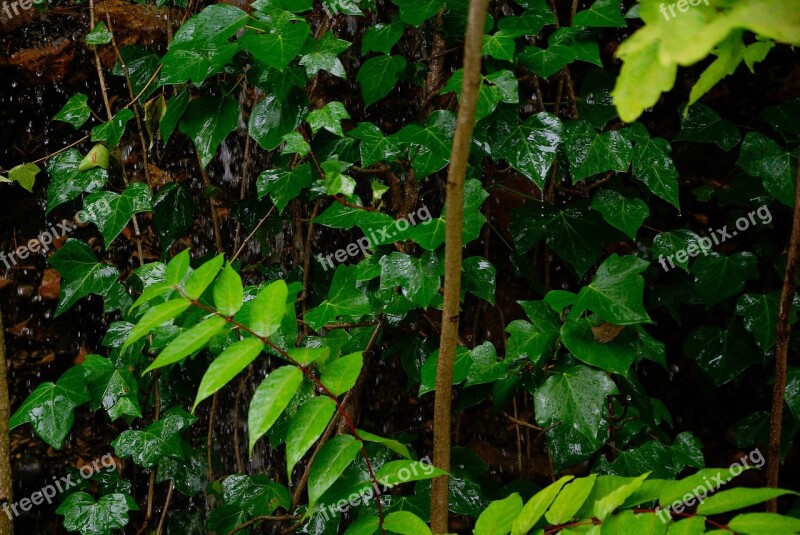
x=353, y=130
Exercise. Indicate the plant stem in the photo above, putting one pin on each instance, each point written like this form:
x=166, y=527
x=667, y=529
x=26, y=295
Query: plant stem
x=782, y=347
x=452, y=277
x=6, y=489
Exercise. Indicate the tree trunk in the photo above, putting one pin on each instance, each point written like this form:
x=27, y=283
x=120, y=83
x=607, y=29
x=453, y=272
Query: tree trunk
x=6, y=495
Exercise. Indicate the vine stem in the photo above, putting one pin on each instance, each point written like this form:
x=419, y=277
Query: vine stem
x=314, y=379
x=782, y=347
x=454, y=206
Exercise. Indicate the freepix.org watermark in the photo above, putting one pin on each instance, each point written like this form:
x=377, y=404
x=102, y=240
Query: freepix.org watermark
x=42, y=243
x=365, y=495
x=682, y=5
x=718, y=236
x=59, y=485
x=699, y=493
x=365, y=243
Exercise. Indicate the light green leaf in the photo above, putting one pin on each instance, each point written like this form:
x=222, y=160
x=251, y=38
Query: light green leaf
x=306, y=427
x=739, y=498
x=270, y=399
x=499, y=516
x=328, y=117
x=202, y=277
x=228, y=292
x=81, y=274
x=227, y=366
x=269, y=308
x=536, y=507
x=333, y=458
x=406, y=523
x=155, y=317
x=188, y=342
x=570, y=499
x=340, y=375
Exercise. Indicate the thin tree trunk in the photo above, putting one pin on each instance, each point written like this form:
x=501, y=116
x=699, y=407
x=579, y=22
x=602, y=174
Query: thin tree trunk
x=6, y=493
x=453, y=245
x=782, y=347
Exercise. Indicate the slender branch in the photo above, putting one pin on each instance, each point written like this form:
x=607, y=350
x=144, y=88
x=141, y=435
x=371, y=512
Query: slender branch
x=167, y=502
x=210, y=438
x=252, y=521
x=214, y=213
x=6, y=486
x=247, y=239
x=522, y=423
x=782, y=347
x=462, y=140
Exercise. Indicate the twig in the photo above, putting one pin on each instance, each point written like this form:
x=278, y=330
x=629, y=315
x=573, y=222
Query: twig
x=247, y=239
x=252, y=521
x=167, y=502
x=523, y=423
x=782, y=347
x=214, y=214
x=210, y=439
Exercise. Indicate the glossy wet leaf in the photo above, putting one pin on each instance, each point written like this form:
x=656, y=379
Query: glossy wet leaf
x=111, y=212
x=272, y=118
x=419, y=278
x=325, y=56
x=188, y=342
x=174, y=212
x=283, y=186
x=616, y=293
x=382, y=37
x=81, y=274
x=98, y=156
x=480, y=277
x=67, y=182
x=333, y=458
x=546, y=62
x=227, y=366
x=374, y=146
x=280, y=45
x=50, y=407
x=530, y=147
x=155, y=317
x=702, y=124
x=159, y=439
x=723, y=354
x=202, y=277
x=344, y=299
x=775, y=165
x=306, y=427
x=718, y=277
x=652, y=165
x=82, y=513
x=176, y=106
x=270, y=399
x=431, y=143
x=269, y=308
x=75, y=112
x=378, y=76
x=113, y=388
x=760, y=313
x=208, y=121
x=591, y=152
x=341, y=375
x=626, y=214
x=533, y=340
x=414, y=12
x=111, y=131
x=228, y=292
x=602, y=14
x=615, y=356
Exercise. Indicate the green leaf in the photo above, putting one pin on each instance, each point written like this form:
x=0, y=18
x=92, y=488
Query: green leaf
x=176, y=106
x=208, y=121
x=730, y=53
x=622, y=212
x=702, y=124
x=432, y=142
x=332, y=459
x=67, y=182
x=739, y=498
x=537, y=506
x=615, y=356
x=617, y=291
x=576, y=397
x=764, y=523
x=718, y=277
x=341, y=375
x=24, y=174
x=652, y=165
x=792, y=392
x=50, y=408
x=722, y=354
x=81, y=274
x=181, y=64
x=414, y=12
x=295, y=143
x=667, y=244
x=419, y=278
x=174, y=213
x=325, y=56
x=269, y=308
x=202, y=277
x=228, y=292
x=382, y=37
x=111, y=387
x=374, y=146
x=111, y=131
x=530, y=147
x=499, y=516
x=82, y=513
x=142, y=64
x=307, y=355
x=546, y=62
x=270, y=399
x=570, y=499
x=272, y=118
x=214, y=25
x=533, y=341
x=406, y=470
x=159, y=439
x=111, y=212
x=344, y=299
x=591, y=153
x=499, y=45
x=537, y=16
x=188, y=342
x=776, y=166
x=608, y=503
x=602, y=14
x=100, y=35
x=329, y=118
x=480, y=277
x=283, y=186
x=406, y=523
x=155, y=317
x=641, y=62
x=280, y=46
x=75, y=112
x=97, y=157
x=306, y=427
x=227, y=366
x=378, y=76
x=760, y=313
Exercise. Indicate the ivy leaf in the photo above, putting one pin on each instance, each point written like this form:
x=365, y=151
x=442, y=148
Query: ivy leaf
x=414, y=12
x=111, y=212
x=331, y=461
x=345, y=298
x=295, y=143
x=602, y=14
x=382, y=37
x=325, y=56
x=208, y=121
x=702, y=124
x=142, y=64
x=269, y=308
x=776, y=166
x=615, y=356
x=784, y=119
x=529, y=147
x=228, y=292
x=576, y=398
x=24, y=174
x=666, y=244
x=281, y=45
x=378, y=76
x=306, y=427
x=616, y=293
x=431, y=143
x=181, y=64
x=652, y=165
x=595, y=103
x=499, y=45
x=499, y=86
x=97, y=157
x=50, y=408
x=328, y=117
x=272, y=118
x=546, y=62
x=621, y=212
x=591, y=153
x=82, y=513
x=174, y=212
x=582, y=42
x=81, y=274
x=214, y=25
x=176, y=106
x=722, y=354
x=115, y=389
x=189, y=477
x=270, y=399
x=341, y=375
x=718, y=277
x=256, y=494
x=100, y=35
x=533, y=341
x=760, y=314
x=419, y=278
x=159, y=439
x=374, y=146
x=75, y=112
x=67, y=182
x=485, y=367
x=283, y=186
x=111, y=131
x=537, y=16
x=189, y=341
x=227, y=366
x=480, y=277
